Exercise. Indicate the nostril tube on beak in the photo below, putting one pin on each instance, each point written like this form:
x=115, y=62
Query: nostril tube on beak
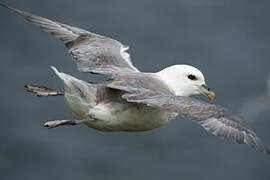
x=206, y=87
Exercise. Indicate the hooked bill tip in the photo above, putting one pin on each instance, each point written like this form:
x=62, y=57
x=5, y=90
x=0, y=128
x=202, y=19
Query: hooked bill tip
x=212, y=96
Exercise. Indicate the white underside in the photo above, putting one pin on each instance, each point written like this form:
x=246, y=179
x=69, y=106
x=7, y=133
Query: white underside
x=133, y=118
x=118, y=117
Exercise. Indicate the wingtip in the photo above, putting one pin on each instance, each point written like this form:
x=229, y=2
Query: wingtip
x=3, y=4
x=263, y=149
x=267, y=151
x=22, y=13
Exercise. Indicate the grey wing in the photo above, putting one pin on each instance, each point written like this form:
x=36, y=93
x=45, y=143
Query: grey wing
x=214, y=119
x=148, y=89
x=91, y=52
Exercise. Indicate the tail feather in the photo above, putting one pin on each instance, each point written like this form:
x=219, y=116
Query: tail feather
x=63, y=76
x=80, y=96
x=77, y=88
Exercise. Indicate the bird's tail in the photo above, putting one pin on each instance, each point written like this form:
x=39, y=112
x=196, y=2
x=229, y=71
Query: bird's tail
x=77, y=89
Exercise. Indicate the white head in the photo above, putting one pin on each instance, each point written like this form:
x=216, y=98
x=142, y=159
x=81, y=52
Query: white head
x=185, y=80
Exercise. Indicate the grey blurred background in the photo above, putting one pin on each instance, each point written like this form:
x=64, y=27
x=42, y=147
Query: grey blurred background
x=228, y=40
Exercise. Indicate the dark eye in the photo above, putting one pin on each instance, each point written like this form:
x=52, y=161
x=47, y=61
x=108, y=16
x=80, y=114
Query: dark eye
x=192, y=77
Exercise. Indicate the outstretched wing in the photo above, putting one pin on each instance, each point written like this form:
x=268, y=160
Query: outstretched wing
x=213, y=118
x=150, y=90
x=91, y=52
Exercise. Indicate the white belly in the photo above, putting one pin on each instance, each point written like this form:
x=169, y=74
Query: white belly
x=131, y=118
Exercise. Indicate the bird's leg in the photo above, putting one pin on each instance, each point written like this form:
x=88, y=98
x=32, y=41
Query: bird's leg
x=42, y=91
x=73, y=122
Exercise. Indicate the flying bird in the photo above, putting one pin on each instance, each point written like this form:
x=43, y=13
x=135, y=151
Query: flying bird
x=131, y=100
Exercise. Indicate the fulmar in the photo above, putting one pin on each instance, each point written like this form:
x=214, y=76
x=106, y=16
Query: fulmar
x=131, y=100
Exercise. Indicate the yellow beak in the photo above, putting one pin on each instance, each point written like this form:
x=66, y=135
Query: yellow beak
x=205, y=91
